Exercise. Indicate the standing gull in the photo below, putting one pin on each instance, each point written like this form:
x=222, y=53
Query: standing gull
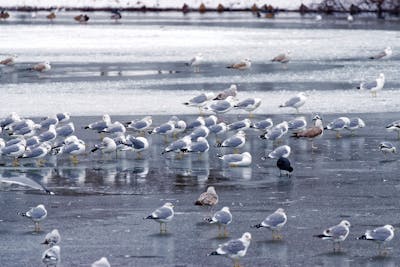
x=103, y=262
x=201, y=131
x=49, y=135
x=313, y=132
x=195, y=62
x=237, y=160
x=72, y=146
x=384, y=54
x=234, y=249
x=178, y=145
x=274, y=222
x=199, y=100
x=51, y=257
x=41, y=66
x=50, y=120
x=236, y=141
x=221, y=106
x=199, y=121
x=283, y=58
x=297, y=124
x=163, y=215
x=52, y=238
x=277, y=132
x=373, y=86
x=38, y=152
x=338, y=125
x=240, y=125
x=107, y=145
x=223, y=218
x=65, y=130
x=200, y=146
x=249, y=105
x=208, y=198
x=138, y=144
x=295, y=102
x=210, y=121
x=282, y=151
x=336, y=234
x=355, y=123
x=242, y=65
x=36, y=214
x=387, y=147
x=380, y=235
x=263, y=125
x=231, y=91
x=140, y=125
x=100, y=125
x=394, y=127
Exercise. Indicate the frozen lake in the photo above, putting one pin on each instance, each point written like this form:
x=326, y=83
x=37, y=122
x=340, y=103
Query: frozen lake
x=135, y=68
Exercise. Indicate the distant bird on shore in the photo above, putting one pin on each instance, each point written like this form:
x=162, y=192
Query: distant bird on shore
x=350, y=18
x=51, y=257
x=336, y=234
x=8, y=61
x=387, y=147
x=41, y=66
x=51, y=16
x=295, y=102
x=380, y=235
x=116, y=15
x=103, y=262
x=4, y=15
x=318, y=18
x=195, y=62
x=313, y=132
x=163, y=215
x=231, y=91
x=283, y=164
x=374, y=86
x=274, y=222
x=52, y=238
x=234, y=249
x=282, y=58
x=82, y=18
x=36, y=214
x=386, y=53
x=242, y=65
x=394, y=127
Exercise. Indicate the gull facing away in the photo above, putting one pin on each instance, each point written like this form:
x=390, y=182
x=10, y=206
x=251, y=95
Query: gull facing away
x=234, y=249
x=338, y=125
x=297, y=124
x=231, y=91
x=282, y=151
x=283, y=164
x=138, y=144
x=380, y=235
x=313, y=132
x=394, y=127
x=384, y=54
x=41, y=66
x=200, y=146
x=236, y=141
x=210, y=121
x=242, y=65
x=277, y=132
x=274, y=222
x=178, y=145
x=387, y=147
x=163, y=215
x=51, y=257
x=336, y=234
x=108, y=145
x=208, y=198
x=295, y=102
x=263, y=125
x=237, y=160
x=103, y=262
x=249, y=105
x=53, y=238
x=222, y=218
x=36, y=214
x=195, y=62
x=374, y=86
x=355, y=123
x=8, y=61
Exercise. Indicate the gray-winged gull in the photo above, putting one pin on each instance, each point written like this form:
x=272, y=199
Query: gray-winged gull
x=274, y=222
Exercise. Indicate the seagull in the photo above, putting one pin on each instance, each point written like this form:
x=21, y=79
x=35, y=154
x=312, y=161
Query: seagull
x=8, y=61
x=49, y=135
x=221, y=106
x=63, y=117
x=394, y=127
x=65, y=130
x=374, y=86
x=13, y=117
x=38, y=152
x=208, y=198
x=242, y=65
x=53, y=238
x=282, y=58
x=36, y=214
x=297, y=124
x=51, y=257
x=82, y=18
x=316, y=131
x=274, y=222
x=72, y=146
x=41, y=66
x=200, y=100
x=234, y=249
x=277, y=132
x=380, y=235
x=100, y=125
x=350, y=18
x=103, y=262
x=195, y=62
x=200, y=146
x=283, y=164
x=236, y=141
x=4, y=15
x=249, y=104
x=336, y=234
x=46, y=122
x=240, y=125
x=210, y=121
x=116, y=15
x=355, y=123
x=201, y=131
x=282, y=151
x=263, y=125
x=165, y=129
x=140, y=125
x=138, y=144
x=295, y=102
x=337, y=125
x=231, y=91
x=51, y=16
x=387, y=147
x=178, y=145
x=219, y=128
x=14, y=151
x=163, y=215
x=222, y=217
x=384, y=54
x=237, y=160
x=107, y=145
x=318, y=18
x=199, y=121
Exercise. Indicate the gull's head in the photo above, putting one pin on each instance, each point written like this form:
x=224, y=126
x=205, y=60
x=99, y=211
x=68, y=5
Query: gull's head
x=241, y=133
x=345, y=223
x=41, y=206
x=247, y=60
x=280, y=210
x=389, y=227
x=211, y=190
x=288, y=52
x=246, y=155
x=174, y=119
x=246, y=236
x=381, y=76
x=106, y=118
x=388, y=50
x=201, y=139
x=226, y=209
x=317, y=117
x=108, y=140
x=233, y=87
x=169, y=205
x=302, y=94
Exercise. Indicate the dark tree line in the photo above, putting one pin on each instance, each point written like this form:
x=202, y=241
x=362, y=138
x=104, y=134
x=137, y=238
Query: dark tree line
x=378, y=6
